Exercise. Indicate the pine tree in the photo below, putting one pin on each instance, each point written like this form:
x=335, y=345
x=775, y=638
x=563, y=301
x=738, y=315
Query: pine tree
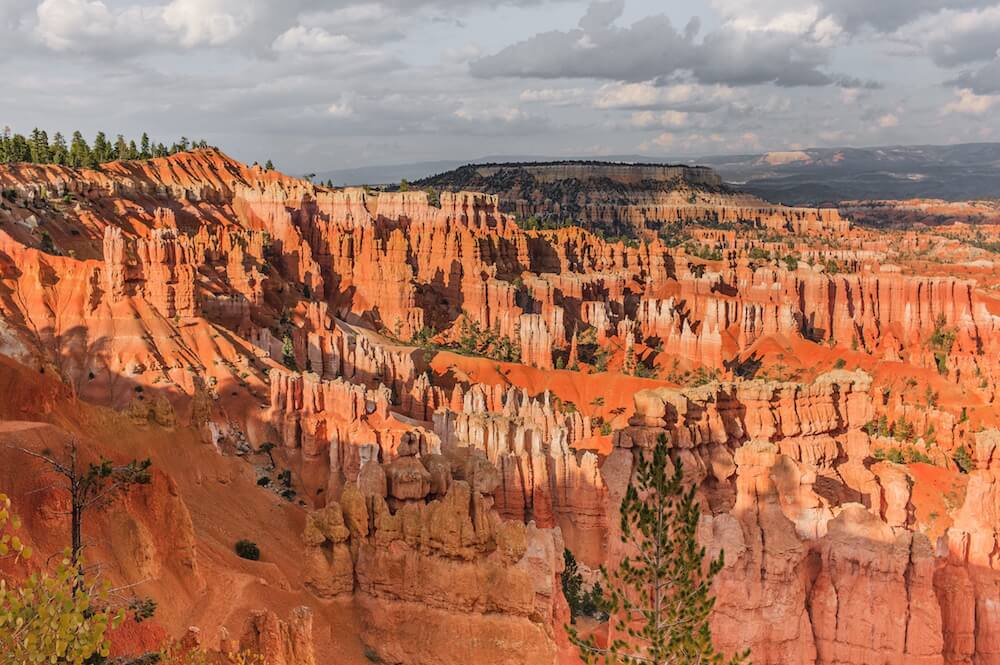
x=59, y=151
x=121, y=148
x=144, y=152
x=39, y=146
x=20, y=149
x=5, y=139
x=102, y=150
x=572, y=584
x=268, y=165
x=659, y=599
x=133, y=151
x=79, y=151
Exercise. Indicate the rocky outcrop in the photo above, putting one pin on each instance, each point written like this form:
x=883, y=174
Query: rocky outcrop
x=421, y=535
x=276, y=641
x=197, y=293
x=617, y=196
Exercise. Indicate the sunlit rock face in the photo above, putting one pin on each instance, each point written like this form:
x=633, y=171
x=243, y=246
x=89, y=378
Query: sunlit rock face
x=413, y=405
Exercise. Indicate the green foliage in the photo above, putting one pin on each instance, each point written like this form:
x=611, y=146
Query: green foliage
x=581, y=602
x=601, y=358
x=879, y=427
x=898, y=455
x=931, y=396
x=791, y=262
x=832, y=267
x=38, y=149
x=247, y=549
x=269, y=165
x=963, y=460
x=534, y=223
x=902, y=429
x=705, y=252
x=288, y=354
x=10, y=543
x=52, y=617
x=942, y=340
x=674, y=235
x=660, y=600
x=840, y=364
x=47, y=245
x=433, y=198
x=572, y=584
x=703, y=376
x=404, y=185
x=474, y=340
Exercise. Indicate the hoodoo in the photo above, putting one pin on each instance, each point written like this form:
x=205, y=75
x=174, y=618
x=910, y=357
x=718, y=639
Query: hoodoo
x=413, y=405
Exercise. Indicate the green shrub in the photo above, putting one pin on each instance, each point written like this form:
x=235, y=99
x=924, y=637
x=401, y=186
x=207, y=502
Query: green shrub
x=963, y=460
x=247, y=549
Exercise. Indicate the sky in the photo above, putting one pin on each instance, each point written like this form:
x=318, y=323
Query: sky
x=317, y=85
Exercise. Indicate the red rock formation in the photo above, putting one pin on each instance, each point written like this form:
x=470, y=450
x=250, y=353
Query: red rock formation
x=180, y=291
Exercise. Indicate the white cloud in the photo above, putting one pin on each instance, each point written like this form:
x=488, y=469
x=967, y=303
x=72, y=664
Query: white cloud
x=67, y=25
x=94, y=26
x=209, y=22
x=649, y=119
x=682, y=96
x=888, y=120
x=301, y=39
x=970, y=103
x=340, y=109
x=552, y=96
x=953, y=37
x=665, y=140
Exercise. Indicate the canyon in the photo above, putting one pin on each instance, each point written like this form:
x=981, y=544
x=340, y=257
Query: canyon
x=414, y=401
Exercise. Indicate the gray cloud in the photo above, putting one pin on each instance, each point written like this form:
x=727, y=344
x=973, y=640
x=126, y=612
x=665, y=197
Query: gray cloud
x=653, y=48
x=319, y=84
x=889, y=15
x=982, y=81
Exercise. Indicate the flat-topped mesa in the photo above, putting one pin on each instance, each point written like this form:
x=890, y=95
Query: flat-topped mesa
x=626, y=174
x=616, y=195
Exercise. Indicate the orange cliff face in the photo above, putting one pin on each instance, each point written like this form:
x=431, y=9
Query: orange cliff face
x=449, y=395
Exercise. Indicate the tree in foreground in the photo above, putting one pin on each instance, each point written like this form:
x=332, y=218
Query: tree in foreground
x=51, y=617
x=91, y=486
x=659, y=599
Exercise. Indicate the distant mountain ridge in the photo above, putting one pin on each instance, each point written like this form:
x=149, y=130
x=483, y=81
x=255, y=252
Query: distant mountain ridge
x=813, y=176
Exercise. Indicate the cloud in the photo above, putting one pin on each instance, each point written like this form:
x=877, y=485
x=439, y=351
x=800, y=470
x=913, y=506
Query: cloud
x=952, y=38
x=828, y=17
x=679, y=96
x=887, y=15
x=969, y=103
x=301, y=39
x=982, y=81
x=68, y=25
x=340, y=109
x=651, y=120
x=552, y=96
x=888, y=120
x=92, y=26
x=652, y=48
